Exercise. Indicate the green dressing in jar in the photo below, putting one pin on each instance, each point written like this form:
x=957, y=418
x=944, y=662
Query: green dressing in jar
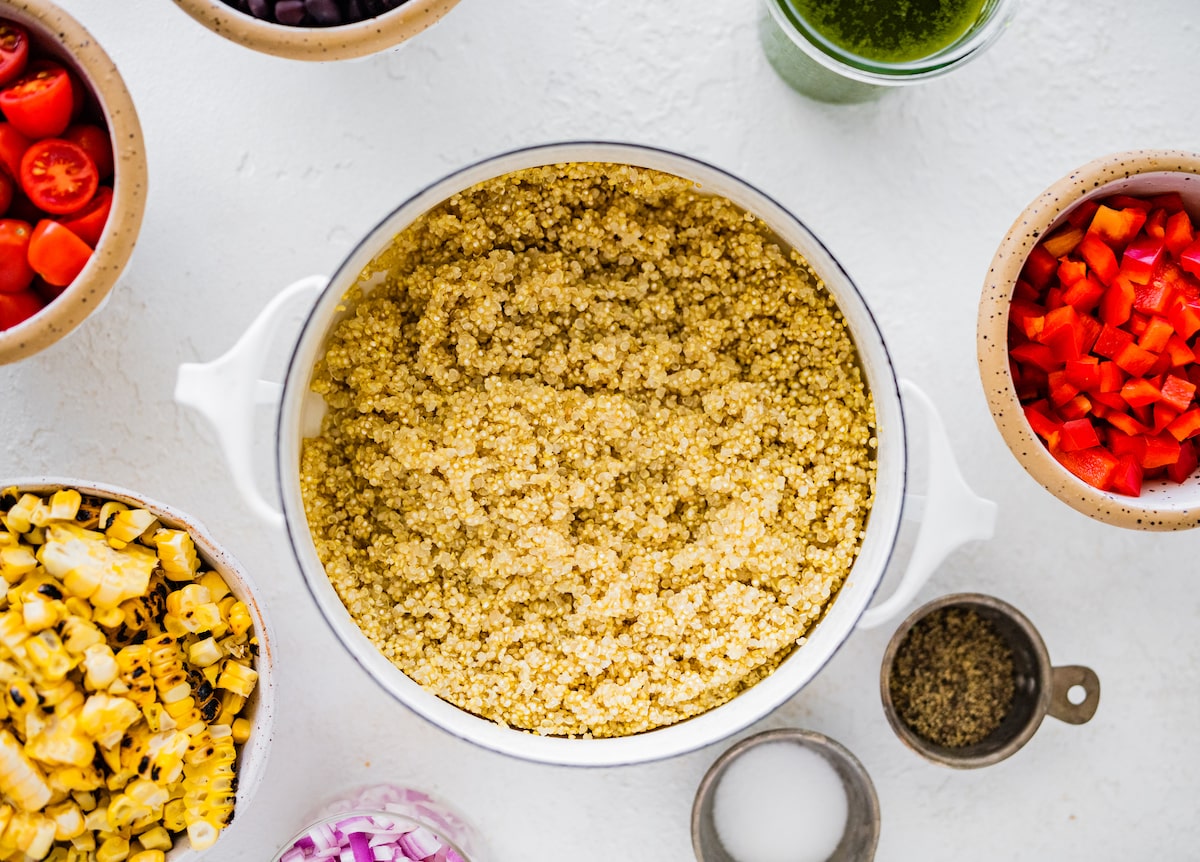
x=889, y=31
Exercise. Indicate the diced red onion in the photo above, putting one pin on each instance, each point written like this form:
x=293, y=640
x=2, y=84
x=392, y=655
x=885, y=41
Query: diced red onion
x=363, y=838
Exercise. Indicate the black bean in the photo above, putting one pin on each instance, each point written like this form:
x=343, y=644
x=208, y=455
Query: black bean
x=290, y=12
x=324, y=12
x=260, y=9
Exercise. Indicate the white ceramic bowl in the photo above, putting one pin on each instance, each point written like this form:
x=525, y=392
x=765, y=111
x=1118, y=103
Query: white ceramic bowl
x=319, y=43
x=60, y=35
x=1163, y=505
x=227, y=389
x=260, y=708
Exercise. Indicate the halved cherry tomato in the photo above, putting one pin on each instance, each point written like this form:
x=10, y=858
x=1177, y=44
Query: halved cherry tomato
x=58, y=176
x=18, y=307
x=15, y=272
x=40, y=102
x=13, y=145
x=57, y=254
x=94, y=141
x=14, y=51
x=88, y=223
x=8, y=190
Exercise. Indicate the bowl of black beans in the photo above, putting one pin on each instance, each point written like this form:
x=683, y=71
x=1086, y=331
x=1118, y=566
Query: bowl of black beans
x=317, y=29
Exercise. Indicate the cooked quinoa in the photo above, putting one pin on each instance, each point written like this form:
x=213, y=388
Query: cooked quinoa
x=598, y=451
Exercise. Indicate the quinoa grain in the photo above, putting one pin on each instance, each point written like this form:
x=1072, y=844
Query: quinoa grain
x=598, y=452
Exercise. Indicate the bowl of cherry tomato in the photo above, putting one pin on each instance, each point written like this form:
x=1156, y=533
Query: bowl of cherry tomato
x=1089, y=339
x=317, y=29
x=72, y=175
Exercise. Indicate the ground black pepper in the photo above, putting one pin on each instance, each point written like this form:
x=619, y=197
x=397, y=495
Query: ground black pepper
x=953, y=681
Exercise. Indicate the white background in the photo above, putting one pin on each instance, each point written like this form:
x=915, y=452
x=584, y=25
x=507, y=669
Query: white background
x=265, y=170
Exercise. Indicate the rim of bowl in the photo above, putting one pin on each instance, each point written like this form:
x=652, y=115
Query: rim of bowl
x=254, y=753
x=705, y=728
x=1094, y=179
x=829, y=748
x=74, y=45
x=343, y=42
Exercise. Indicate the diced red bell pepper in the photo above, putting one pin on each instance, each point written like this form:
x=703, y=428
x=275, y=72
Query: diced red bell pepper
x=1117, y=226
x=1156, y=335
x=1156, y=224
x=1095, y=466
x=1164, y=414
x=1078, y=434
x=1059, y=388
x=1045, y=426
x=1179, y=233
x=1111, y=377
x=1171, y=276
x=1025, y=290
x=1071, y=271
x=1161, y=366
x=1127, y=477
x=1138, y=392
x=1178, y=392
x=1100, y=258
x=1161, y=451
x=1063, y=333
x=1076, y=408
x=1127, y=201
x=1189, y=258
x=1083, y=373
x=1111, y=400
x=1054, y=298
x=1127, y=425
x=1153, y=298
x=1085, y=294
x=1082, y=214
x=1178, y=352
x=1111, y=342
x=1117, y=304
x=1185, y=464
x=1135, y=360
x=1184, y=317
x=1028, y=317
x=1141, y=257
x=1039, y=267
x=1172, y=202
x=1063, y=242
x=1186, y=425
x=1037, y=355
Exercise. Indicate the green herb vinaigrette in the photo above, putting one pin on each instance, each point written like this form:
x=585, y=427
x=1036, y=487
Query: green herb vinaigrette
x=889, y=31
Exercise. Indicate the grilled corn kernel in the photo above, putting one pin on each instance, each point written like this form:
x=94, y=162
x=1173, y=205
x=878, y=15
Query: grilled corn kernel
x=40, y=614
x=157, y=838
x=100, y=667
x=177, y=554
x=241, y=730
x=64, y=504
x=110, y=618
x=20, y=779
x=76, y=778
x=174, y=814
x=85, y=842
x=18, y=519
x=155, y=855
x=16, y=562
x=237, y=678
x=130, y=525
x=48, y=656
x=105, y=718
x=114, y=849
x=239, y=618
x=68, y=820
x=204, y=652
x=78, y=632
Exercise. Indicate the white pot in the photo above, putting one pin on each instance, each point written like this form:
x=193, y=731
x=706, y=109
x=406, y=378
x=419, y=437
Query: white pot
x=227, y=389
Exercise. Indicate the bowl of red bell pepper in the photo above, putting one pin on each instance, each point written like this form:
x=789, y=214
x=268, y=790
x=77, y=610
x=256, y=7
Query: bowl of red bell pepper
x=1089, y=339
x=72, y=175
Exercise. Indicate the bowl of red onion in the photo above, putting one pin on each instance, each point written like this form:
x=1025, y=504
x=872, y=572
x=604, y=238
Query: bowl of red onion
x=384, y=823
x=317, y=29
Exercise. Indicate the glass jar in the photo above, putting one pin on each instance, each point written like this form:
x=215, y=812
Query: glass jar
x=813, y=65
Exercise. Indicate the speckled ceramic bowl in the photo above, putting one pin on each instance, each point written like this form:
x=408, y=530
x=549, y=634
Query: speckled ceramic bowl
x=260, y=708
x=1163, y=505
x=319, y=43
x=57, y=33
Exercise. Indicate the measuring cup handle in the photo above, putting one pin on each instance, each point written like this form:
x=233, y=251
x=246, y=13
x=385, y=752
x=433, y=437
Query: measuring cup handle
x=953, y=516
x=226, y=390
x=1065, y=678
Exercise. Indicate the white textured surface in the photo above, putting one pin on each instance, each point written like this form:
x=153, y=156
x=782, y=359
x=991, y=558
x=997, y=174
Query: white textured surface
x=264, y=170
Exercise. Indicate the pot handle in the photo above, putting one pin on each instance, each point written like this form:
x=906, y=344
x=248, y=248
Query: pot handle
x=954, y=515
x=226, y=390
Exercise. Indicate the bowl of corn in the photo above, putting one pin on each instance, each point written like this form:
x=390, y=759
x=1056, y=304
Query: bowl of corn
x=135, y=661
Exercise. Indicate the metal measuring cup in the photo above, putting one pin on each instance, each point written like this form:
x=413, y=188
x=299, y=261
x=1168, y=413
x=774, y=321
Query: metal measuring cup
x=862, y=819
x=1041, y=689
